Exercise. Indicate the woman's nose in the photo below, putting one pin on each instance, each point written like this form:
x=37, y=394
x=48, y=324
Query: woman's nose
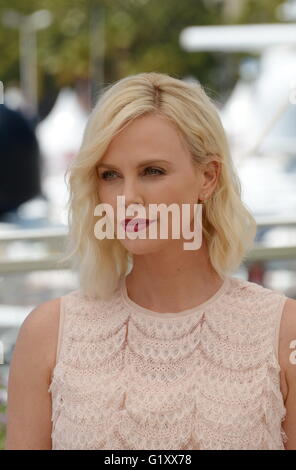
x=132, y=194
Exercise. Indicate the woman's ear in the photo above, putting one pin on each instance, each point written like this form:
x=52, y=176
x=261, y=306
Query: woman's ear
x=210, y=176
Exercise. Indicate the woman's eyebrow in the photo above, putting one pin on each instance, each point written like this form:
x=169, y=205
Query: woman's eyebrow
x=146, y=162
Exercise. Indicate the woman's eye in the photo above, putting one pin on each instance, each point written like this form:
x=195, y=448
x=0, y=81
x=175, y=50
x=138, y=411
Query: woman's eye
x=157, y=170
x=107, y=175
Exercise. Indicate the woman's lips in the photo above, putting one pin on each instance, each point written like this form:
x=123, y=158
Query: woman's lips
x=135, y=225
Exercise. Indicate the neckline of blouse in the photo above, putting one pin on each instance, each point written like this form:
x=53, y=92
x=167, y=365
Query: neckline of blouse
x=164, y=315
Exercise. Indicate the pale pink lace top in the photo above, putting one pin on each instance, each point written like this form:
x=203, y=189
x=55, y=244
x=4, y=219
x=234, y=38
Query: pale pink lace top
x=205, y=378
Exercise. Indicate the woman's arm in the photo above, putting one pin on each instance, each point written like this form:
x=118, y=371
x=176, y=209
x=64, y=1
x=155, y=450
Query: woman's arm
x=288, y=347
x=29, y=402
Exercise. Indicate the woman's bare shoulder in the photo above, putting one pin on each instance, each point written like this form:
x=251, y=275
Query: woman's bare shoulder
x=42, y=323
x=288, y=366
x=287, y=336
x=29, y=403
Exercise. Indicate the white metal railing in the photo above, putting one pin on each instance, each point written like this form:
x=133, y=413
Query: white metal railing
x=25, y=265
x=55, y=238
x=263, y=222
x=59, y=233
x=50, y=234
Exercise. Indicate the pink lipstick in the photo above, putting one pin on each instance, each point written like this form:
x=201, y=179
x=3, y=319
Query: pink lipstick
x=135, y=225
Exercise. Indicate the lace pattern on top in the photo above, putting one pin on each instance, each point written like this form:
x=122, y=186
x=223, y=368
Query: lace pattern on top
x=210, y=379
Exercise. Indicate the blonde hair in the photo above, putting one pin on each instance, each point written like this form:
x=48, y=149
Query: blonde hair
x=228, y=226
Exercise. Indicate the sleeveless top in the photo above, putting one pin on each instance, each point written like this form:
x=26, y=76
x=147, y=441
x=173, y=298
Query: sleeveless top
x=205, y=378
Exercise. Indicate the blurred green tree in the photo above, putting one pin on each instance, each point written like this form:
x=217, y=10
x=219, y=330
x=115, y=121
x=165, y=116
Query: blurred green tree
x=139, y=35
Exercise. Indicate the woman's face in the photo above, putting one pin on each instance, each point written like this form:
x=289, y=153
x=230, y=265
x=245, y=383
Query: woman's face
x=169, y=176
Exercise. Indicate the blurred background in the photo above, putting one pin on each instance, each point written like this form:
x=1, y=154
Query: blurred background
x=56, y=57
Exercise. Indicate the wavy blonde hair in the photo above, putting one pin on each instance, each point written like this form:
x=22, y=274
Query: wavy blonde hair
x=228, y=226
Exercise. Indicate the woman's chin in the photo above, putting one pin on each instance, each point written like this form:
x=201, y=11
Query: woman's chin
x=143, y=246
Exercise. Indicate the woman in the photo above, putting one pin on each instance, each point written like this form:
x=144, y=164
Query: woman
x=160, y=348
